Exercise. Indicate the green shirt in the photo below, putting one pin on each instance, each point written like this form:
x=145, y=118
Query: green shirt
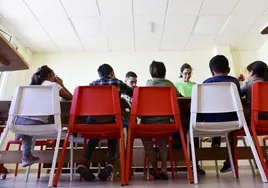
x=185, y=88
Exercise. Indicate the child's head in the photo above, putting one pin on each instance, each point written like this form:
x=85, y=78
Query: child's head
x=106, y=70
x=131, y=79
x=186, y=72
x=43, y=73
x=257, y=69
x=157, y=69
x=219, y=65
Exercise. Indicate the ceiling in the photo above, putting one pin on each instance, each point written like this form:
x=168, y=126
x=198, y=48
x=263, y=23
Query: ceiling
x=134, y=25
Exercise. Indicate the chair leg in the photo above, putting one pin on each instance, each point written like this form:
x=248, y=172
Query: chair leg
x=39, y=166
x=131, y=160
x=217, y=168
x=230, y=154
x=128, y=163
x=235, y=157
x=250, y=161
x=61, y=160
x=186, y=156
x=171, y=158
x=54, y=161
x=122, y=159
x=27, y=173
x=71, y=158
x=193, y=155
x=201, y=145
x=29, y=167
x=188, y=143
x=145, y=166
x=76, y=145
x=256, y=152
x=17, y=165
x=99, y=164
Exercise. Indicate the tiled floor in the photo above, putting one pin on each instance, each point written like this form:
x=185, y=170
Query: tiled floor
x=209, y=181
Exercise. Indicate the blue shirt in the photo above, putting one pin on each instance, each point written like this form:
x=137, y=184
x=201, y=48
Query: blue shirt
x=220, y=117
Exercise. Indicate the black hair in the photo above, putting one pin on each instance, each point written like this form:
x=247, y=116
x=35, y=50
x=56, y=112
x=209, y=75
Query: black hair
x=41, y=75
x=105, y=70
x=259, y=68
x=185, y=66
x=157, y=69
x=219, y=64
x=131, y=74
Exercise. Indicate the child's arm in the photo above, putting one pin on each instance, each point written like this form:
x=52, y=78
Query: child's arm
x=244, y=89
x=64, y=93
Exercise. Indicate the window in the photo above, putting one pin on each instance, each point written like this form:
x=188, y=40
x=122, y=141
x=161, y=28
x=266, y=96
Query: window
x=3, y=78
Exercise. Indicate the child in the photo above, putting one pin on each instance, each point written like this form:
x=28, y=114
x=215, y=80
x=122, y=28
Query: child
x=185, y=87
x=219, y=67
x=44, y=76
x=257, y=72
x=107, y=77
x=158, y=73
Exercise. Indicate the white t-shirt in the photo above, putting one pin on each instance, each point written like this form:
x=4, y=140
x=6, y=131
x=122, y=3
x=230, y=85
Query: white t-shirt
x=44, y=119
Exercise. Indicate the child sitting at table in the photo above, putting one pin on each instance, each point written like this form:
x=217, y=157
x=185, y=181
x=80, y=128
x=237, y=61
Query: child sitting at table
x=219, y=67
x=257, y=72
x=44, y=76
x=107, y=77
x=158, y=73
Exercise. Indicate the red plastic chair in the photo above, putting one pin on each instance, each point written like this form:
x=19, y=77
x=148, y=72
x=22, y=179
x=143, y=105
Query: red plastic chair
x=258, y=127
x=154, y=101
x=95, y=101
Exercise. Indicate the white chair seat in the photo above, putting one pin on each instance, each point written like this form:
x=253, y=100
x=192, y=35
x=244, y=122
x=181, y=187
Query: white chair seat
x=216, y=127
x=37, y=130
x=209, y=134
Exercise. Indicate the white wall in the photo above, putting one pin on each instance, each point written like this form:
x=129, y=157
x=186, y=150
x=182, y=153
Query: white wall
x=262, y=52
x=242, y=59
x=81, y=68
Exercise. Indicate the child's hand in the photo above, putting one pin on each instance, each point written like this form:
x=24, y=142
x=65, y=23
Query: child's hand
x=241, y=77
x=59, y=81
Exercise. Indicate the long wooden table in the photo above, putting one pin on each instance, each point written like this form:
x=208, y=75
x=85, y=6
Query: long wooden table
x=100, y=154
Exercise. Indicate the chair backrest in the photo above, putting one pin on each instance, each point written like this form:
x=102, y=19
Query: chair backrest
x=35, y=101
x=259, y=99
x=95, y=101
x=215, y=98
x=154, y=101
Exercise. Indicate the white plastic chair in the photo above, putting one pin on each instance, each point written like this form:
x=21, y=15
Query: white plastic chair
x=36, y=101
x=218, y=98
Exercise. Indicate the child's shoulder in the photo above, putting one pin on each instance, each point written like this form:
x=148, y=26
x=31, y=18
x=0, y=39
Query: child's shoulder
x=158, y=82
x=221, y=79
